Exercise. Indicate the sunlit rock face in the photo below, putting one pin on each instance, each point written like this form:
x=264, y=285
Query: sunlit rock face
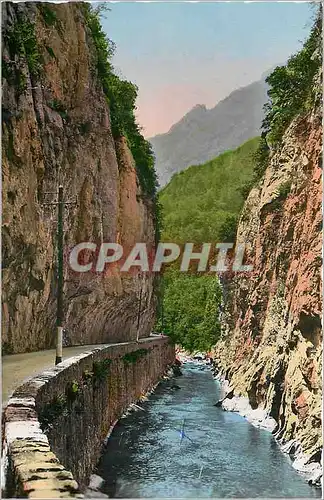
x=57, y=130
x=271, y=346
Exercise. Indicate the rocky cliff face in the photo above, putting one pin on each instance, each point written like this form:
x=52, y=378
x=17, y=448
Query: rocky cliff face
x=56, y=129
x=271, y=346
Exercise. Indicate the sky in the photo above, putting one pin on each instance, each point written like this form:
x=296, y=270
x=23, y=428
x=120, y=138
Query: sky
x=182, y=54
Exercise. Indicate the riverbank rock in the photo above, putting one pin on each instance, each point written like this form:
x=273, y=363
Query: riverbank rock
x=176, y=371
x=258, y=417
x=96, y=482
x=316, y=479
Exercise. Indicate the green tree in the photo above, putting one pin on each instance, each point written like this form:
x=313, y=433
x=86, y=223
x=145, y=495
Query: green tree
x=294, y=90
x=202, y=202
x=190, y=309
x=227, y=231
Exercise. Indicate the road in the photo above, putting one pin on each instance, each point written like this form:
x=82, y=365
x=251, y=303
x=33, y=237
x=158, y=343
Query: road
x=17, y=368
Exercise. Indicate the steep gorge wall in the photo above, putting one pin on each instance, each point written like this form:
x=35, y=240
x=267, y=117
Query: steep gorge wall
x=271, y=348
x=57, y=130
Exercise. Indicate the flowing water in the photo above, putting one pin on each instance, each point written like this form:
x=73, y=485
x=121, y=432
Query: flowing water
x=182, y=446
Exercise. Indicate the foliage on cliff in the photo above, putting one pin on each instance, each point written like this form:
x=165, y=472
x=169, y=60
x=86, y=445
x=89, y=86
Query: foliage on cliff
x=21, y=41
x=121, y=96
x=293, y=91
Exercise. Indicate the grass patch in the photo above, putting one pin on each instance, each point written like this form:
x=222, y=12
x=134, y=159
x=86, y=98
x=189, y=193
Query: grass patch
x=53, y=410
x=101, y=369
x=48, y=14
x=6, y=349
x=134, y=356
x=84, y=128
x=202, y=202
x=59, y=107
x=22, y=41
x=50, y=51
x=281, y=195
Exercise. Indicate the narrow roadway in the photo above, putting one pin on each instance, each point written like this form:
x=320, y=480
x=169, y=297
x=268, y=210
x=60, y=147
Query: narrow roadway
x=18, y=368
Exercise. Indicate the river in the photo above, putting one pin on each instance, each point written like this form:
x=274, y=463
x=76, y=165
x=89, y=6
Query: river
x=220, y=454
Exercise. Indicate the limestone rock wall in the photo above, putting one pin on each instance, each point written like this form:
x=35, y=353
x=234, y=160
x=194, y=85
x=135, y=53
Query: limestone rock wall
x=56, y=129
x=271, y=348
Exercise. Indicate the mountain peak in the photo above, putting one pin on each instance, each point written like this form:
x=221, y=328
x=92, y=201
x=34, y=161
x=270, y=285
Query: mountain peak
x=202, y=134
x=195, y=113
x=200, y=106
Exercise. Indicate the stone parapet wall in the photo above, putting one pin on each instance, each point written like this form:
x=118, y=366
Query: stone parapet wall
x=54, y=425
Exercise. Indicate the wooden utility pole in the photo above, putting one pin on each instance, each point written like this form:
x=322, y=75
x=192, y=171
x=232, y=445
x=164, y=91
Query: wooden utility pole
x=60, y=203
x=60, y=276
x=162, y=302
x=162, y=316
x=139, y=313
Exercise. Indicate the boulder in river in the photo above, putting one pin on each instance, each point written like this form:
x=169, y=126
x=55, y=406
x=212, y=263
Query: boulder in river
x=316, y=479
x=176, y=371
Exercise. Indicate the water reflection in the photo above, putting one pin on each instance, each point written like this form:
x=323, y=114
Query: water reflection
x=224, y=456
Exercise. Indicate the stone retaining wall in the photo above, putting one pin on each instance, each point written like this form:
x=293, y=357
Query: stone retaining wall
x=54, y=425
